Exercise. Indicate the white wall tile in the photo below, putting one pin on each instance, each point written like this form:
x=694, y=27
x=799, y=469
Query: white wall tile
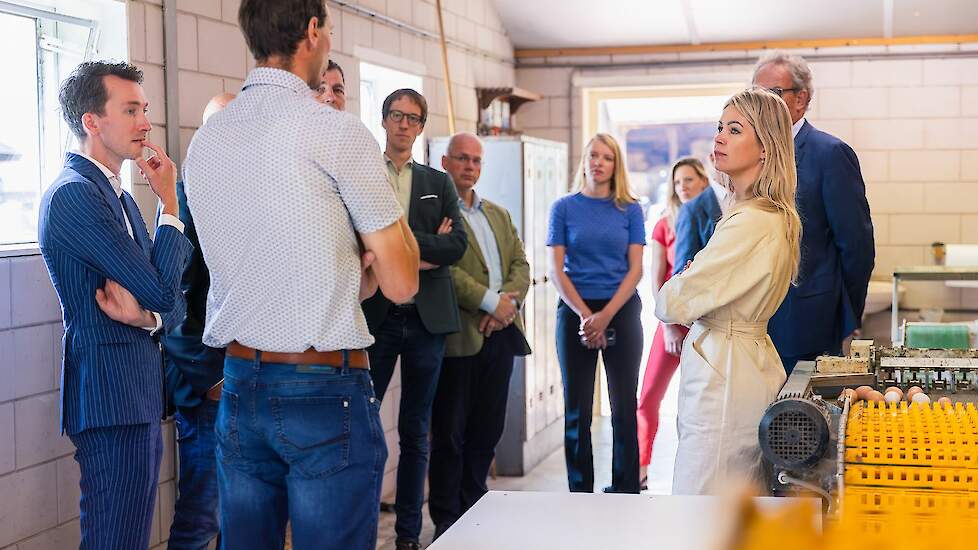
x=535, y=114
x=889, y=198
x=229, y=11
x=925, y=166
x=29, y=504
x=887, y=134
x=890, y=257
x=154, y=35
x=186, y=42
x=951, y=198
x=931, y=101
x=57, y=345
x=155, y=89
x=953, y=71
x=5, y=292
x=38, y=430
x=221, y=49
x=357, y=31
x=33, y=360
x=907, y=72
x=64, y=537
x=831, y=74
x=196, y=90
x=8, y=370
x=33, y=299
x=874, y=165
x=853, y=103
x=840, y=128
x=924, y=229
x=969, y=101
x=7, y=457
x=400, y=10
x=69, y=492
x=969, y=229
x=136, y=17
x=969, y=165
x=210, y=8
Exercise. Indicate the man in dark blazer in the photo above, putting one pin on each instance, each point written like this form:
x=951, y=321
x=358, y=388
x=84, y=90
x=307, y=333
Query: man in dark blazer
x=416, y=330
x=194, y=373
x=694, y=226
x=837, y=248
x=117, y=288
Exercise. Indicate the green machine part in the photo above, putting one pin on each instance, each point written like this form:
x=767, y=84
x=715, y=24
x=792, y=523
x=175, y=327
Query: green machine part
x=937, y=336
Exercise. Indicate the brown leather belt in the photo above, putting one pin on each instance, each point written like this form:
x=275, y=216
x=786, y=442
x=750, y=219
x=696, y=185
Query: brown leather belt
x=357, y=357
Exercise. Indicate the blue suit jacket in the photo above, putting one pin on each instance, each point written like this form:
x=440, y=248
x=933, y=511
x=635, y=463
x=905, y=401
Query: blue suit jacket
x=694, y=226
x=112, y=373
x=191, y=367
x=837, y=249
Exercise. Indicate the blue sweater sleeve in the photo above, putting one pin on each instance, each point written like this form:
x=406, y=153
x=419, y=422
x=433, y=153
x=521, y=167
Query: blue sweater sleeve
x=636, y=225
x=557, y=229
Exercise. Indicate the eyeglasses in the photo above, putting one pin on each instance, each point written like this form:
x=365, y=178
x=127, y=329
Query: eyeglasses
x=397, y=116
x=779, y=91
x=465, y=159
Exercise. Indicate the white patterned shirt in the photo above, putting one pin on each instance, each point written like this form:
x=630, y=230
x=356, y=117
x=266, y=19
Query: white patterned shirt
x=278, y=185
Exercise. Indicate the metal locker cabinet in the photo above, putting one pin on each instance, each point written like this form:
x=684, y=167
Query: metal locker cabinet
x=525, y=175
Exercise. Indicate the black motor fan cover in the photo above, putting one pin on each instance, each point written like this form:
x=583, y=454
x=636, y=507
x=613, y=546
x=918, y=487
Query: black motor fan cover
x=794, y=433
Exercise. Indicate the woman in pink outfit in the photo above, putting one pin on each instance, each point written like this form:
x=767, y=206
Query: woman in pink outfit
x=688, y=180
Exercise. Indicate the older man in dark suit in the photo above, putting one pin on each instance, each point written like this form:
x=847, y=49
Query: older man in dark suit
x=837, y=249
x=416, y=330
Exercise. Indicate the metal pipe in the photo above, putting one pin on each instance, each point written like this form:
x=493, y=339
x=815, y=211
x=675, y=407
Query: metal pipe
x=444, y=66
x=171, y=79
x=742, y=61
x=17, y=9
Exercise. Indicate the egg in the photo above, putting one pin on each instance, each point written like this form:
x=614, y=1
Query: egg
x=944, y=402
x=896, y=390
x=913, y=390
x=892, y=397
x=863, y=391
x=850, y=393
x=921, y=398
x=874, y=395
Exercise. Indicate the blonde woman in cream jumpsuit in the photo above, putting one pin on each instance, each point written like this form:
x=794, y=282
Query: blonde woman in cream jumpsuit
x=730, y=370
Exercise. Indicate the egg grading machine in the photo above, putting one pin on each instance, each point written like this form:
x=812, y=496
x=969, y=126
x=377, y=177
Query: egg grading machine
x=871, y=459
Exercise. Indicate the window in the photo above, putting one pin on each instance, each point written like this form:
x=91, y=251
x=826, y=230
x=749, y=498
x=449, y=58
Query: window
x=376, y=83
x=42, y=44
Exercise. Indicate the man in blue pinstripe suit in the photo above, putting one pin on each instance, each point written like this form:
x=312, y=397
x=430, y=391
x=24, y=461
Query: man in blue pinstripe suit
x=117, y=288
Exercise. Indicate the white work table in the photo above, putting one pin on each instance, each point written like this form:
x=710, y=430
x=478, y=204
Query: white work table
x=569, y=521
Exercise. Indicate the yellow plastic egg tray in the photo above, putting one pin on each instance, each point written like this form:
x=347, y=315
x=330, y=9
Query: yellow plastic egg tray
x=877, y=500
x=945, y=479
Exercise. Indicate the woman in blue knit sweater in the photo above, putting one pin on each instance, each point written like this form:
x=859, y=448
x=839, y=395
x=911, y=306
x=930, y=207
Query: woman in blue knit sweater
x=596, y=238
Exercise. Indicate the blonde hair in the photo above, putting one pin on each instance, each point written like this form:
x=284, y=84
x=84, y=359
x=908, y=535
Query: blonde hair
x=619, y=181
x=673, y=203
x=774, y=190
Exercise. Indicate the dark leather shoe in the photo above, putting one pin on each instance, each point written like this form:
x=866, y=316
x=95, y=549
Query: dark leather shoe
x=407, y=545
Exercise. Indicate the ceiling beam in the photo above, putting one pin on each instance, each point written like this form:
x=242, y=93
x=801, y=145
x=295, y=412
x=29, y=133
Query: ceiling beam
x=752, y=45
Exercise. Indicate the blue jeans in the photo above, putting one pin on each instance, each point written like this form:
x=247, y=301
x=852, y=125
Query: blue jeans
x=402, y=334
x=195, y=520
x=300, y=443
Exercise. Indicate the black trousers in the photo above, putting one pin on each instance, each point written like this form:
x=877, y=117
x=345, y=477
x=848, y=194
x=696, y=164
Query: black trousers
x=467, y=421
x=577, y=366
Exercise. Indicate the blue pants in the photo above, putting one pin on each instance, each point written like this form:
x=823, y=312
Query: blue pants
x=195, y=520
x=300, y=443
x=621, y=365
x=120, y=469
x=402, y=334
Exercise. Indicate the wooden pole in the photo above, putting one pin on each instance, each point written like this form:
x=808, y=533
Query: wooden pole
x=444, y=63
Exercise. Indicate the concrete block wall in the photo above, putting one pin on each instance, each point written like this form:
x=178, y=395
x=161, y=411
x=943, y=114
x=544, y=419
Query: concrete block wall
x=38, y=476
x=912, y=122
